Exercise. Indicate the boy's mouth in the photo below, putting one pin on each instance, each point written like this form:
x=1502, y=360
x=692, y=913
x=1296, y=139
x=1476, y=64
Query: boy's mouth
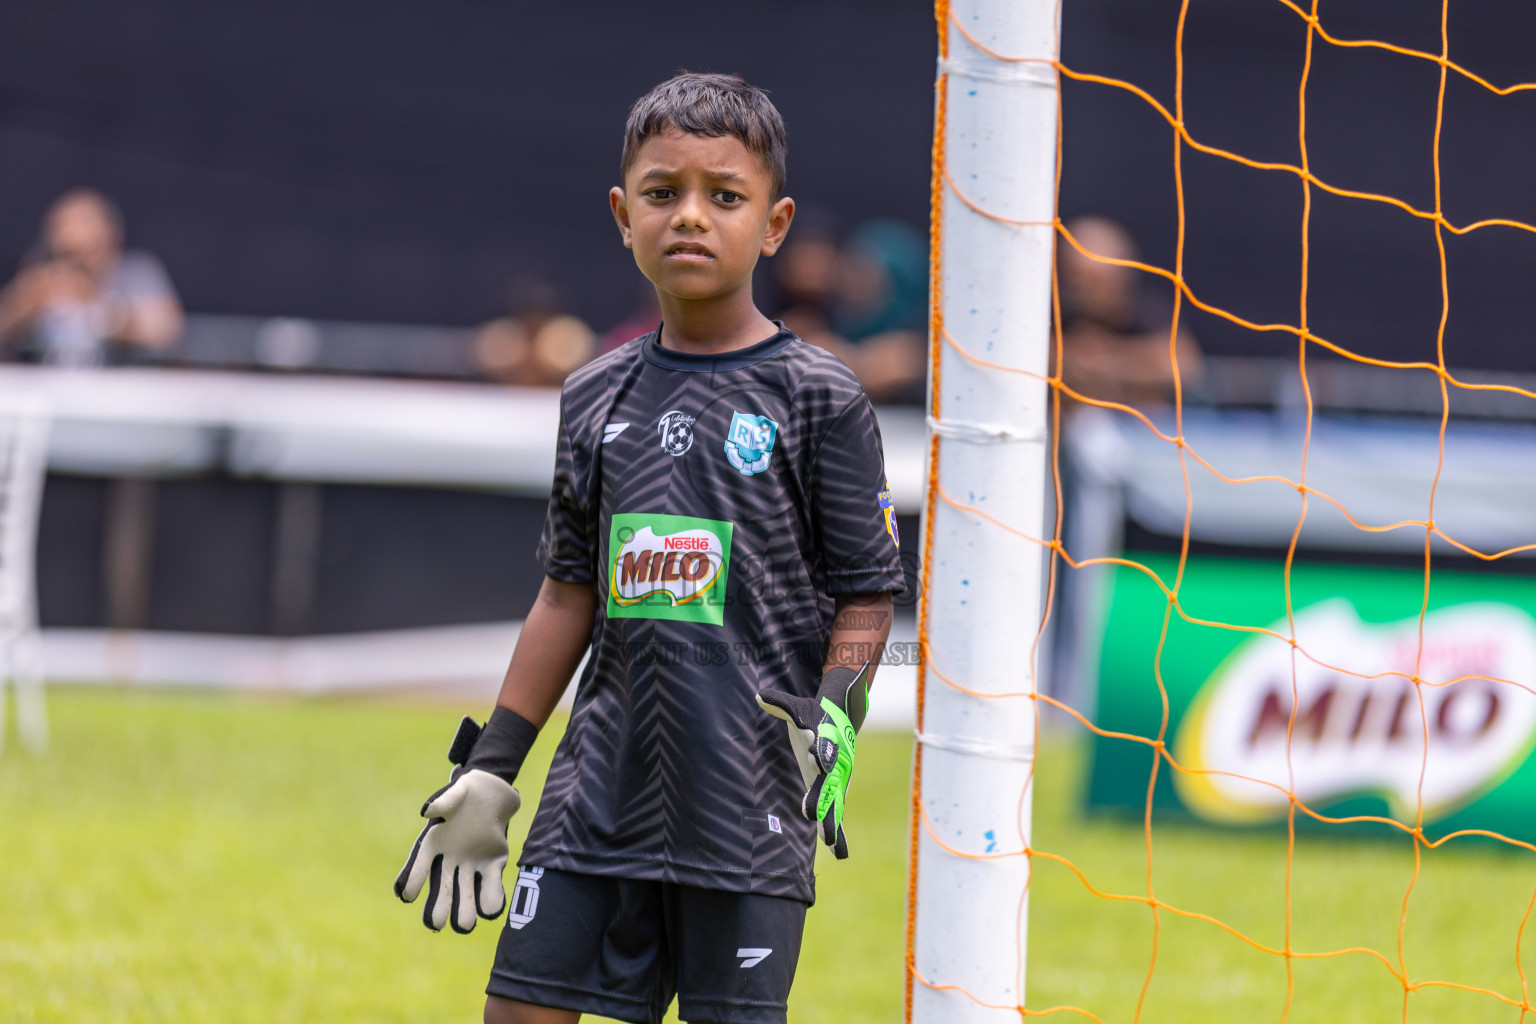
x=689, y=252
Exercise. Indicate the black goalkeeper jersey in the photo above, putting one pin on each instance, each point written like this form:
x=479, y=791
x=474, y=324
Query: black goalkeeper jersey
x=715, y=503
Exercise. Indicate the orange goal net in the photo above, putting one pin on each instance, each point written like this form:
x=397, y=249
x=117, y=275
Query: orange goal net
x=1381, y=896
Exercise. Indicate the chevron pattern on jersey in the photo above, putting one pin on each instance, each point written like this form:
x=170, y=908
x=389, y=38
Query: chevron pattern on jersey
x=669, y=770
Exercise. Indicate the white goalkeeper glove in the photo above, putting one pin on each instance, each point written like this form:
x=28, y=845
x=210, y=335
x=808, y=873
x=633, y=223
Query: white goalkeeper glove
x=461, y=853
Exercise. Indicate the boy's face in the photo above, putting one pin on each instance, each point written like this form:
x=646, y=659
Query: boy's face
x=698, y=211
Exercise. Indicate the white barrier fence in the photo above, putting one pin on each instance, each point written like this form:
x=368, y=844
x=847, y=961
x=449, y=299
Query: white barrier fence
x=132, y=421
x=23, y=450
x=136, y=422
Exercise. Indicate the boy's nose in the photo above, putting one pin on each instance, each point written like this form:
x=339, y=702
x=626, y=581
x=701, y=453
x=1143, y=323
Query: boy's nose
x=692, y=213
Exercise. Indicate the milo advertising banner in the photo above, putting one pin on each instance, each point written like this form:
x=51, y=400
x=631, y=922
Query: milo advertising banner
x=1358, y=739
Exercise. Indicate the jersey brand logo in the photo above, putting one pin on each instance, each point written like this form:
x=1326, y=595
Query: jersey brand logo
x=668, y=567
x=773, y=824
x=749, y=442
x=752, y=955
x=525, y=898
x=676, y=429
x=612, y=431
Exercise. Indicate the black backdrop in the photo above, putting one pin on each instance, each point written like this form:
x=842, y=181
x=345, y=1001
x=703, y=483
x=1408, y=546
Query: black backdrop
x=403, y=161
x=1374, y=285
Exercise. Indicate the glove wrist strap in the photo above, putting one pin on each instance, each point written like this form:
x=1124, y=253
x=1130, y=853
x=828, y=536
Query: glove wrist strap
x=503, y=744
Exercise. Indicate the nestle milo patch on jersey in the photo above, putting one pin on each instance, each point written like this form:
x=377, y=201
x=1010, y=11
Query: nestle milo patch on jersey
x=668, y=567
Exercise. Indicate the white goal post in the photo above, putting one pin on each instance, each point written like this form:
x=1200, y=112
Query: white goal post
x=981, y=601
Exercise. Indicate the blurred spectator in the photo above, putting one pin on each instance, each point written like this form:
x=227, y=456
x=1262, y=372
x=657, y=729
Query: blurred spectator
x=882, y=308
x=884, y=281
x=806, y=275
x=536, y=344
x=1114, y=347
x=642, y=321
x=80, y=290
x=866, y=302
x=1115, y=331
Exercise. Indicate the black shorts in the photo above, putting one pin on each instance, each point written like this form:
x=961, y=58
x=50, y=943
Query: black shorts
x=622, y=948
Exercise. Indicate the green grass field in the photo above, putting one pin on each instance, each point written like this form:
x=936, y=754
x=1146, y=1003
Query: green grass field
x=192, y=858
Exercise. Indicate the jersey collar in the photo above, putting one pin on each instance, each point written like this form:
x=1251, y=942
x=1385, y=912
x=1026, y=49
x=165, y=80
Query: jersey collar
x=721, y=362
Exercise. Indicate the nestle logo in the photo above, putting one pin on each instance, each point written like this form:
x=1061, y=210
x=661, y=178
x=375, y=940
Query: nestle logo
x=685, y=544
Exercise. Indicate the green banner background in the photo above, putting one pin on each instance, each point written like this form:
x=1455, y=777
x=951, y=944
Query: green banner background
x=1248, y=592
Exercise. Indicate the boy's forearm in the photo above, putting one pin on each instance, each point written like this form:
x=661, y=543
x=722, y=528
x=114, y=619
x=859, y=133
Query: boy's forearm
x=555, y=636
x=860, y=628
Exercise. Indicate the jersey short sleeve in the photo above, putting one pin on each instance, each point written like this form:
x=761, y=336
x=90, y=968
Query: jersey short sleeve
x=565, y=545
x=851, y=506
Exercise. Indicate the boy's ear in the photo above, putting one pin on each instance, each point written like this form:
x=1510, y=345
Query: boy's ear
x=778, y=225
x=619, y=204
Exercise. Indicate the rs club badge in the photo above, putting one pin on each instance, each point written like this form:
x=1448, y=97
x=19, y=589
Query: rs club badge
x=749, y=442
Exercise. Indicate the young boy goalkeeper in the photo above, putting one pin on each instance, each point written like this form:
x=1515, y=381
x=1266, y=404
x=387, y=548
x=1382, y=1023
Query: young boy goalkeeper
x=719, y=500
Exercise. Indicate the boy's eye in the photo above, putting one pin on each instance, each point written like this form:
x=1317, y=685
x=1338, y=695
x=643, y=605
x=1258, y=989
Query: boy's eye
x=659, y=193
x=729, y=198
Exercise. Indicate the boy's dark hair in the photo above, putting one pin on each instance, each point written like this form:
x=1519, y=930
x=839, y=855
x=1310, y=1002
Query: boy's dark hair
x=710, y=105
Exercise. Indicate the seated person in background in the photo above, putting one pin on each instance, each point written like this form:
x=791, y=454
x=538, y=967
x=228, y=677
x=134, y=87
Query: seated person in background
x=536, y=344
x=805, y=276
x=80, y=291
x=882, y=308
x=867, y=303
x=1114, y=331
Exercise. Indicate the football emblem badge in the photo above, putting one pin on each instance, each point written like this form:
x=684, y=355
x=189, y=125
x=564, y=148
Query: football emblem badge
x=749, y=442
x=676, y=429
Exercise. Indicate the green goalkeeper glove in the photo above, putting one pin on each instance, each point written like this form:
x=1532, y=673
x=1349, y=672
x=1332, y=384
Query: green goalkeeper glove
x=460, y=854
x=822, y=731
